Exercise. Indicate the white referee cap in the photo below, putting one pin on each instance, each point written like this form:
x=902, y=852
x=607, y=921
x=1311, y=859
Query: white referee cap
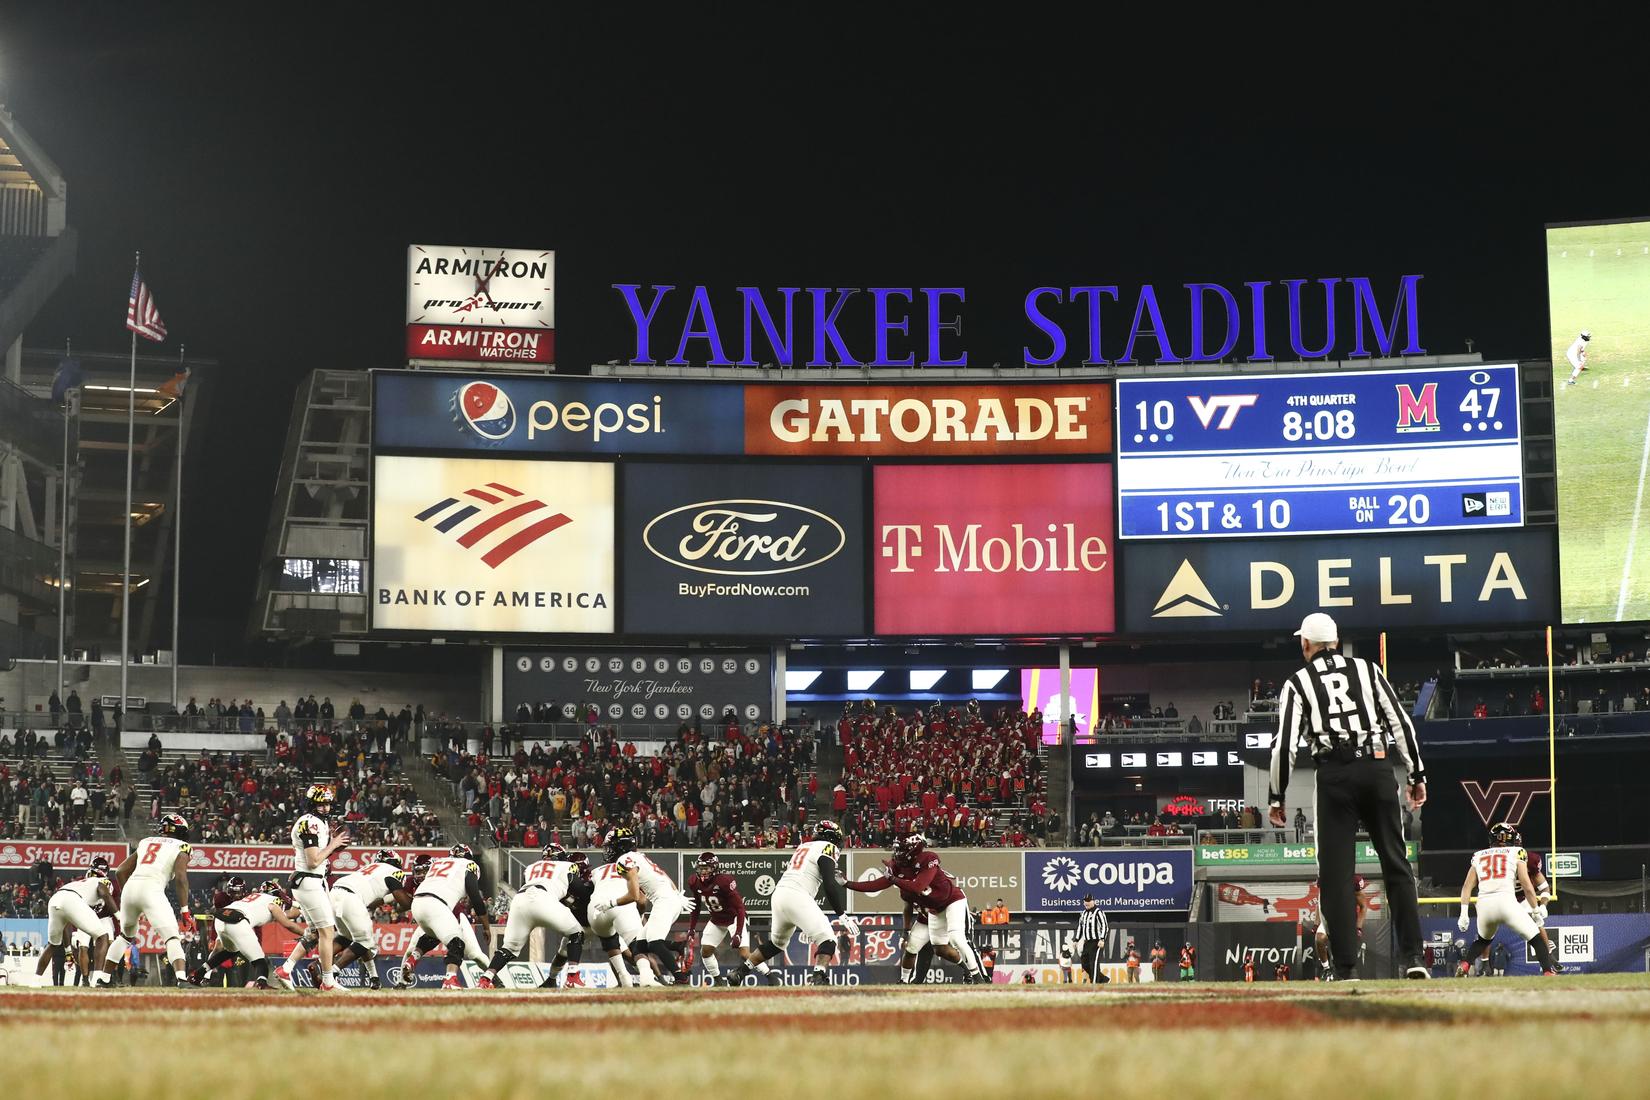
x=1318, y=627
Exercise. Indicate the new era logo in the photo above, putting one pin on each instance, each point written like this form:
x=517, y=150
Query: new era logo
x=502, y=512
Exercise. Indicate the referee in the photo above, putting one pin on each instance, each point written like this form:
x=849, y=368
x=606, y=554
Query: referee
x=1091, y=939
x=1343, y=710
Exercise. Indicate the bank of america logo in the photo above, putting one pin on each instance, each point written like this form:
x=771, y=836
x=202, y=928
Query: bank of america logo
x=505, y=521
x=1186, y=596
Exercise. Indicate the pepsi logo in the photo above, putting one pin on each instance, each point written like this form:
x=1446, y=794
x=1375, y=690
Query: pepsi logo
x=486, y=410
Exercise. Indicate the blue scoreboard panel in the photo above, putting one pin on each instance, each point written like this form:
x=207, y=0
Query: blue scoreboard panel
x=1429, y=449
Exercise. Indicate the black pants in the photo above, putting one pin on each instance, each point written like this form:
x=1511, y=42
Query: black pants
x=1362, y=790
x=1089, y=959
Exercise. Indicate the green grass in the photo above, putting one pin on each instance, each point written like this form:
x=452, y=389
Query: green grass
x=1599, y=279
x=1581, y=1036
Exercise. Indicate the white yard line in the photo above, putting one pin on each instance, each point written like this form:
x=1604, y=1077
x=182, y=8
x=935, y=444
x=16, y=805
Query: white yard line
x=1633, y=531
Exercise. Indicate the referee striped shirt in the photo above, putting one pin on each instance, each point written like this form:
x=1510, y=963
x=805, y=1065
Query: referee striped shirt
x=1091, y=925
x=1337, y=700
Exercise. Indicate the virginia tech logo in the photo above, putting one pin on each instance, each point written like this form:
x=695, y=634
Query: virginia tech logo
x=1186, y=596
x=1486, y=798
x=503, y=512
x=1227, y=405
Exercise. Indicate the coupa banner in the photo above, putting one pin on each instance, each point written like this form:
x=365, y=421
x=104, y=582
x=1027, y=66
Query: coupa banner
x=423, y=411
x=1121, y=881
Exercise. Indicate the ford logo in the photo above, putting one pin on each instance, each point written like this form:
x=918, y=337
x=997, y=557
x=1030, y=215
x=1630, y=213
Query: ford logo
x=746, y=538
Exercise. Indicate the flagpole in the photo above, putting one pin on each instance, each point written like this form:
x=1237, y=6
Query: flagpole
x=63, y=532
x=126, y=570
x=177, y=532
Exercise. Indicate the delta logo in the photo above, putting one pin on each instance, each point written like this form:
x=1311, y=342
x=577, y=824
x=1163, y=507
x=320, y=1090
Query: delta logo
x=485, y=411
x=497, y=520
x=1186, y=597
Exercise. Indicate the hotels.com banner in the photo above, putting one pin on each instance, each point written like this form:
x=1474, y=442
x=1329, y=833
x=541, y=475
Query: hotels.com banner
x=929, y=420
x=996, y=550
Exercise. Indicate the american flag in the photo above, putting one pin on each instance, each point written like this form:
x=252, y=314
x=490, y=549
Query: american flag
x=141, y=315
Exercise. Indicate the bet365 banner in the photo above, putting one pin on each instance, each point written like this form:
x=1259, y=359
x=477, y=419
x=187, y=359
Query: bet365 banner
x=1156, y=881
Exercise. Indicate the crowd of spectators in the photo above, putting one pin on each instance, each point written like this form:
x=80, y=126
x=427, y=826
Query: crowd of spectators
x=955, y=775
x=1105, y=824
x=738, y=787
x=36, y=804
x=242, y=798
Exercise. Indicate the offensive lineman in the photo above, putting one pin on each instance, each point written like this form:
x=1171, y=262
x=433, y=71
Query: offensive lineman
x=312, y=846
x=540, y=903
x=353, y=897
x=239, y=913
x=615, y=915
x=664, y=904
x=1495, y=871
x=451, y=879
x=74, y=905
x=812, y=871
x=142, y=878
x=715, y=894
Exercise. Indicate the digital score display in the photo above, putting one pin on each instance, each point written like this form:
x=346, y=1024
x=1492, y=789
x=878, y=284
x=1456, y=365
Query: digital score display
x=1428, y=449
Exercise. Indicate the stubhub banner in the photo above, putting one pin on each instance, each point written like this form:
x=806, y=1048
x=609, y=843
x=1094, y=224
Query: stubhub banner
x=1156, y=881
x=425, y=411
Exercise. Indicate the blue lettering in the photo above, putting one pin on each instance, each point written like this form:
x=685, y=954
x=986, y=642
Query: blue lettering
x=699, y=308
x=1407, y=305
x=1257, y=299
x=642, y=319
x=881, y=326
x=1200, y=353
x=1148, y=304
x=757, y=308
x=936, y=326
x=825, y=328
x=1051, y=329
x=1295, y=340
x=1095, y=293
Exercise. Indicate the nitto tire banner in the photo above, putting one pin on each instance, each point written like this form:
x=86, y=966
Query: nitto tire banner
x=1056, y=418
x=737, y=549
x=1367, y=582
x=984, y=874
x=993, y=550
x=496, y=546
x=1221, y=949
x=641, y=684
x=1156, y=881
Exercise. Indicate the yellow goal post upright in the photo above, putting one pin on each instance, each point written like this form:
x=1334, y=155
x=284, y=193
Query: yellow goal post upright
x=1552, y=776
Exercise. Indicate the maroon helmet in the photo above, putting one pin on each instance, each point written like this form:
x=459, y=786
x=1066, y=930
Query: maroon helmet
x=707, y=864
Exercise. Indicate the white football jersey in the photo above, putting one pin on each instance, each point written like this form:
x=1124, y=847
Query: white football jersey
x=306, y=828
x=1578, y=348
x=373, y=883
x=445, y=879
x=255, y=907
x=610, y=883
x=86, y=888
x=803, y=871
x=650, y=876
x=156, y=857
x=1498, y=869
x=552, y=874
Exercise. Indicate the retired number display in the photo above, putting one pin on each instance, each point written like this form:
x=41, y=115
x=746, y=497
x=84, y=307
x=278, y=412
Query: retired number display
x=1316, y=454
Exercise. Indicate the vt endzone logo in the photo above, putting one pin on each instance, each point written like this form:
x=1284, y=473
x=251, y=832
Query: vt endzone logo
x=1485, y=798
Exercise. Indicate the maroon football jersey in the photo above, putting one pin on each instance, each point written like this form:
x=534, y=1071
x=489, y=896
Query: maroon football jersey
x=932, y=887
x=718, y=898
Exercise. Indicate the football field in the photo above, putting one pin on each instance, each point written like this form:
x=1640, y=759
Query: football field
x=1569, y=1036
x=1599, y=280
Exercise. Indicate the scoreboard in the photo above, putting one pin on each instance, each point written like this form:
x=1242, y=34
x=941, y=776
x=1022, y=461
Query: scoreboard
x=1426, y=449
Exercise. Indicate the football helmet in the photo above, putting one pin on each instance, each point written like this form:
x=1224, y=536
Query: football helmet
x=421, y=867
x=272, y=886
x=461, y=851
x=909, y=845
x=580, y=862
x=98, y=869
x=554, y=850
x=235, y=886
x=707, y=864
x=319, y=794
x=174, y=825
x=619, y=841
x=1504, y=835
x=828, y=830
x=387, y=855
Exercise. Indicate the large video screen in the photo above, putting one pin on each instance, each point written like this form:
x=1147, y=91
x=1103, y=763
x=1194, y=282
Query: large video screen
x=492, y=545
x=1040, y=690
x=1598, y=293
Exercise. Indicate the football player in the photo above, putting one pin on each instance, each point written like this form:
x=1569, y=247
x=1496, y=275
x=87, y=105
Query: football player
x=811, y=872
x=1577, y=355
x=353, y=898
x=615, y=914
x=540, y=903
x=1543, y=895
x=1495, y=871
x=664, y=903
x=74, y=906
x=579, y=891
x=917, y=873
x=1320, y=938
x=142, y=877
x=313, y=844
x=239, y=913
x=451, y=879
x=716, y=895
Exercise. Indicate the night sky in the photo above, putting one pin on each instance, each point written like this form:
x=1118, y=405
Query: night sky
x=274, y=170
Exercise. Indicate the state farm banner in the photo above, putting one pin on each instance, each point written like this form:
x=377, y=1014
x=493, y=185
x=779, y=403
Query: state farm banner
x=986, y=875
x=454, y=293
x=1055, y=418
x=641, y=684
x=771, y=551
x=1121, y=880
x=492, y=545
x=63, y=855
x=995, y=550
x=276, y=860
